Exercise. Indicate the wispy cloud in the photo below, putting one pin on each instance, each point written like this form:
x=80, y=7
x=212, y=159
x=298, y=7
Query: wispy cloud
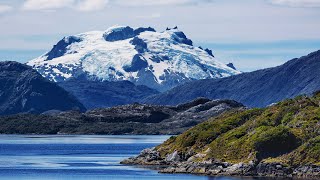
x=139, y=3
x=32, y=5
x=151, y=16
x=5, y=8
x=81, y=5
x=91, y=5
x=297, y=3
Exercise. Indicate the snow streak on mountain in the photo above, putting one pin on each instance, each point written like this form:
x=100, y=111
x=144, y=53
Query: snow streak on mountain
x=160, y=60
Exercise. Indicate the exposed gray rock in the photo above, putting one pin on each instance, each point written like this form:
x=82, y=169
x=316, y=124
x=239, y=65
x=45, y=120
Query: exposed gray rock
x=307, y=171
x=173, y=157
x=173, y=164
x=60, y=48
x=232, y=66
x=118, y=34
x=143, y=29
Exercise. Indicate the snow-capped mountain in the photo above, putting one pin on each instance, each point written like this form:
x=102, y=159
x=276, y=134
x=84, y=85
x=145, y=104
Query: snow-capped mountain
x=160, y=60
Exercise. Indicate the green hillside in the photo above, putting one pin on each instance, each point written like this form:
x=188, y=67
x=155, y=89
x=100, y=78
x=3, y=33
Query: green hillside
x=288, y=132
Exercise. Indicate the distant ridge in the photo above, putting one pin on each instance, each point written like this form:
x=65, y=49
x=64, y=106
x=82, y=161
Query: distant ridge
x=255, y=89
x=96, y=94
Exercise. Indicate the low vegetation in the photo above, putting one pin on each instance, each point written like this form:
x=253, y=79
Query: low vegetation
x=126, y=119
x=288, y=132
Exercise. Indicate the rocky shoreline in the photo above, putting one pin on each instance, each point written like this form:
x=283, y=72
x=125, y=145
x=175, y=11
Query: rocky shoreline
x=175, y=163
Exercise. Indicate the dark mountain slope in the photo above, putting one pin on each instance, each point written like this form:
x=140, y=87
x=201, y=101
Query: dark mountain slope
x=255, y=89
x=23, y=89
x=97, y=94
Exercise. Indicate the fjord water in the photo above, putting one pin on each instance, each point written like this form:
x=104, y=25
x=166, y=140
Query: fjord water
x=78, y=157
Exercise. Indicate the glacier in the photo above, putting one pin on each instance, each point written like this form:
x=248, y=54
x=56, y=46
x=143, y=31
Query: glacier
x=159, y=60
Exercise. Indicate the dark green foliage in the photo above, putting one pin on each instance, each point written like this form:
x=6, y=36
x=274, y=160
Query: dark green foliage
x=274, y=141
x=287, y=132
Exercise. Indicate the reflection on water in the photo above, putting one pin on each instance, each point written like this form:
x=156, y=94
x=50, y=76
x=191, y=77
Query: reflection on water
x=78, y=157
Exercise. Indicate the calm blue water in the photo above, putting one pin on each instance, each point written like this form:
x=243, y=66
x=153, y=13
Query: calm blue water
x=78, y=157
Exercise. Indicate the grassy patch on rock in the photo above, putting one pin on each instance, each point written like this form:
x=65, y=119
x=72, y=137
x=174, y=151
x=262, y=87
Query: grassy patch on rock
x=288, y=132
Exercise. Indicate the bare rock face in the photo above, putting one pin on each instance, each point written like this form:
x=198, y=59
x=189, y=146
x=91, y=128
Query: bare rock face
x=120, y=33
x=172, y=163
x=146, y=157
x=173, y=157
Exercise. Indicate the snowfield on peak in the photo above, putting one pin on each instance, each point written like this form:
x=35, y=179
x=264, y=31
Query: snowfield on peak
x=160, y=60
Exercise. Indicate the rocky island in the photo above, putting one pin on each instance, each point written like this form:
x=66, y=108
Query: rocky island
x=127, y=119
x=282, y=140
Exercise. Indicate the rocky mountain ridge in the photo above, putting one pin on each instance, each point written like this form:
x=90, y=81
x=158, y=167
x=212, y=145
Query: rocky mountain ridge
x=254, y=89
x=159, y=60
x=24, y=90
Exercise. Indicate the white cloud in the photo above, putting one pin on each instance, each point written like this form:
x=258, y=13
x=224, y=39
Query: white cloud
x=94, y=5
x=297, y=3
x=152, y=16
x=81, y=5
x=46, y=4
x=91, y=5
x=139, y=3
x=5, y=8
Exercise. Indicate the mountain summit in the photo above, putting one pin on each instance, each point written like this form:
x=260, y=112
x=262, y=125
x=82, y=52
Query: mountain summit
x=159, y=60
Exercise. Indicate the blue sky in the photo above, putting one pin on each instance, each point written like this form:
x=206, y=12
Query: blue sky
x=252, y=34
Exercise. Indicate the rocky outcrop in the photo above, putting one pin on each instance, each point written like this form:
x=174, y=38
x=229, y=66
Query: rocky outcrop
x=182, y=38
x=60, y=48
x=139, y=44
x=209, y=51
x=119, y=33
x=147, y=157
x=173, y=163
x=231, y=66
x=143, y=29
x=138, y=63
